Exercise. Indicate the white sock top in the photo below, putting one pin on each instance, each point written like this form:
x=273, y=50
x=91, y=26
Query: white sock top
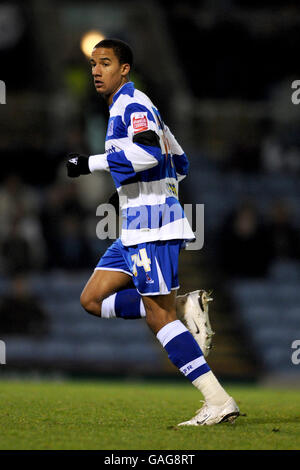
x=169, y=331
x=108, y=307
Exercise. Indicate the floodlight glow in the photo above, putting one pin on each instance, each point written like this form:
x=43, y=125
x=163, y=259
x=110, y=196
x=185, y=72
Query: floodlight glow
x=89, y=40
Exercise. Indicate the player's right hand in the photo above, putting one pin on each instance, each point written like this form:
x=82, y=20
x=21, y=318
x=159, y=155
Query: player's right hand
x=77, y=165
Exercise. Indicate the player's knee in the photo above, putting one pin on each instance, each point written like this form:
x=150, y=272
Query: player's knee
x=90, y=304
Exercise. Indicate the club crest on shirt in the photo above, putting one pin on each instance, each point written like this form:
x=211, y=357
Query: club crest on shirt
x=139, y=122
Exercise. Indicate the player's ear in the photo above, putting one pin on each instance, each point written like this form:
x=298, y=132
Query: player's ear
x=125, y=69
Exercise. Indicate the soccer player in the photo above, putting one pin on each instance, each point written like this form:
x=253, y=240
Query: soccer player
x=137, y=276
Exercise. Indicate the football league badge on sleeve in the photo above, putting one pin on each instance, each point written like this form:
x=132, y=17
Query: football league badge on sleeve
x=139, y=122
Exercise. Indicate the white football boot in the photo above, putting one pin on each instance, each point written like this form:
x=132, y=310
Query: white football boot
x=192, y=310
x=211, y=414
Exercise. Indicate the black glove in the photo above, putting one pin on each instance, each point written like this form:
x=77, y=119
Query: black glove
x=114, y=201
x=77, y=165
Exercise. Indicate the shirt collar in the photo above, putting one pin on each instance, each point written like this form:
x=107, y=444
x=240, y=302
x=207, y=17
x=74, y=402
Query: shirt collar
x=126, y=89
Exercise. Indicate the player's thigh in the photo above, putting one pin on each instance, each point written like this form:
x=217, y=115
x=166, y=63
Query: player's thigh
x=104, y=283
x=110, y=275
x=160, y=310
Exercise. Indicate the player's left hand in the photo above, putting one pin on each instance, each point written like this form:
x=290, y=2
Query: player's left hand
x=77, y=165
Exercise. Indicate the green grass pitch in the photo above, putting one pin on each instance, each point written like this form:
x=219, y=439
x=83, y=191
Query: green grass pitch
x=119, y=415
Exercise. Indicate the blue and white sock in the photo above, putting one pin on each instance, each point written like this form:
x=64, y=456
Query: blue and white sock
x=183, y=350
x=125, y=304
x=185, y=353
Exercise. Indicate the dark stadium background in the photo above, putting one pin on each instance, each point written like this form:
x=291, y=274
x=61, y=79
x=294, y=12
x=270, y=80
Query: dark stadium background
x=221, y=73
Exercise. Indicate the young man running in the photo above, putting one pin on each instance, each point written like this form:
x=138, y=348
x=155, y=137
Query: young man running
x=137, y=276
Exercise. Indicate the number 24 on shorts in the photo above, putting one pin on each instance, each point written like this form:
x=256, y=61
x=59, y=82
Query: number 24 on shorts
x=141, y=259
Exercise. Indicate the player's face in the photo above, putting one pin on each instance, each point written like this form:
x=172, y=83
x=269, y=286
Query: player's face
x=109, y=75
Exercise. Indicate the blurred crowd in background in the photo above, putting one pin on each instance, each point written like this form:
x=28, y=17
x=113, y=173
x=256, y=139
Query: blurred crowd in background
x=221, y=75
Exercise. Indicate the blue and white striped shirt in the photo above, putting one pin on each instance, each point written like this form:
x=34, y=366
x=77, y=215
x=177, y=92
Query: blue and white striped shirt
x=145, y=171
